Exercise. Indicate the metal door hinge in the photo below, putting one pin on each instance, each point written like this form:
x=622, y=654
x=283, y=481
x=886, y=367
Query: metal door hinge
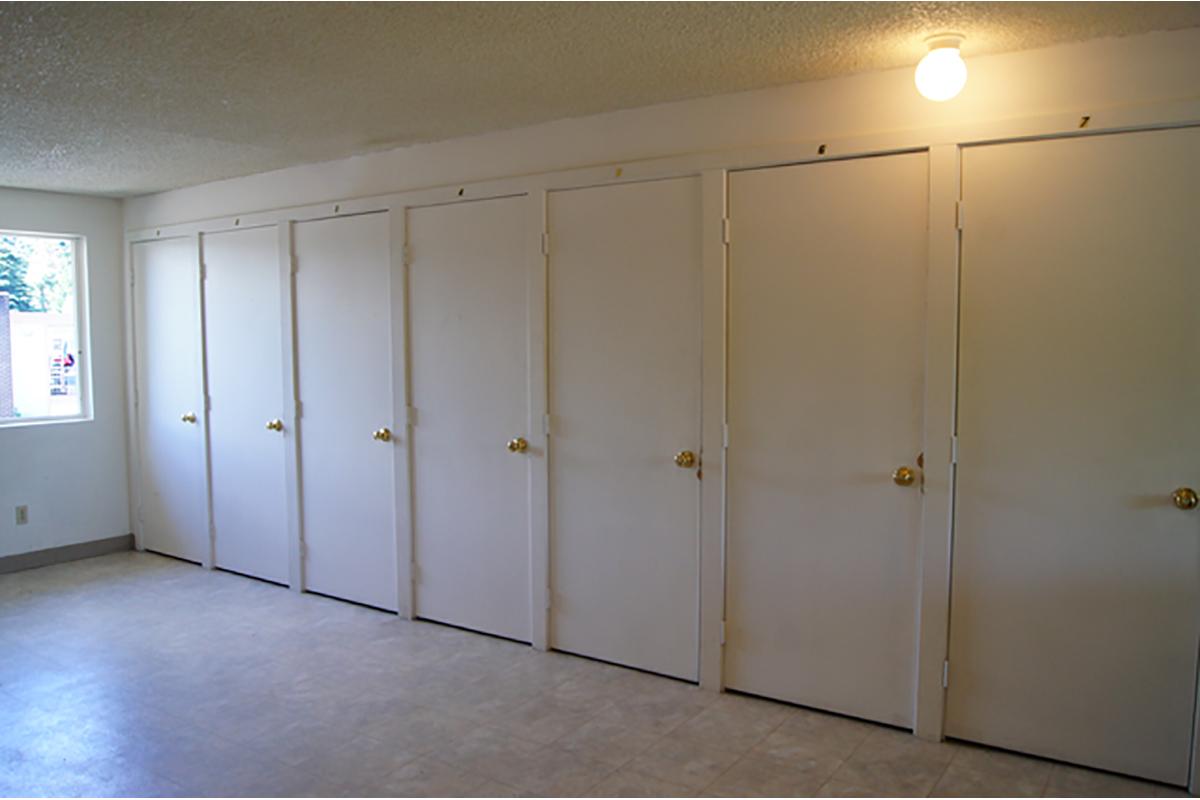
x=954, y=449
x=547, y=424
x=295, y=264
x=545, y=243
x=208, y=402
x=725, y=436
x=945, y=674
x=406, y=254
x=725, y=230
x=299, y=409
x=548, y=598
x=959, y=214
x=410, y=417
x=415, y=571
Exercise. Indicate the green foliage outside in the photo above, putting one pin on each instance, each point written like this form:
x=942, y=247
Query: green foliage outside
x=37, y=274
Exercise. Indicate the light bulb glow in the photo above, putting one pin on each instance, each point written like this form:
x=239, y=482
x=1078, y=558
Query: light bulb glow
x=941, y=74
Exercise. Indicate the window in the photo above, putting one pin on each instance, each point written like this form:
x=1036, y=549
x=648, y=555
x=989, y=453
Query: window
x=42, y=376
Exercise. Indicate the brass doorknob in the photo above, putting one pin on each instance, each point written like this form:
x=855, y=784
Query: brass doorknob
x=275, y=425
x=685, y=459
x=189, y=418
x=382, y=435
x=518, y=445
x=904, y=476
x=1185, y=498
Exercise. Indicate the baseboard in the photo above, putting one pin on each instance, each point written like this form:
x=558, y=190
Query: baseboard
x=61, y=555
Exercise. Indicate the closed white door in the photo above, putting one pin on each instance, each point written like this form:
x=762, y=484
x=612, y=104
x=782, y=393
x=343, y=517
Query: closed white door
x=624, y=329
x=344, y=370
x=173, y=490
x=826, y=289
x=244, y=345
x=1075, y=611
x=468, y=326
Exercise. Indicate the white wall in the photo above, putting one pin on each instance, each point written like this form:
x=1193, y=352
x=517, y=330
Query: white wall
x=72, y=475
x=1079, y=79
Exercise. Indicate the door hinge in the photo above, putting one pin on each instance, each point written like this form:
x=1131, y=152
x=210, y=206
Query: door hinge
x=549, y=596
x=208, y=402
x=945, y=674
x=546, y=424
x=299, y=409
x=725, y=436
x=303, y=549
x=410, y=416
x=725, y=230
x=959, y=214
x=295, y=264
x=415, y=570
x=954, y=449
x=545, y=243
x=406, y=254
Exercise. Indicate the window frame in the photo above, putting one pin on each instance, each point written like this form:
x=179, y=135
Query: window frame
x=83, y=332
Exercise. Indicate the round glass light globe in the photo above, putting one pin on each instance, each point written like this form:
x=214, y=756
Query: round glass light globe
x=941, y=74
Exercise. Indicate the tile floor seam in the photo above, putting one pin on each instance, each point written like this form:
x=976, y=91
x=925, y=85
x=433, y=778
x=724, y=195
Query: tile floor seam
x=942, y=774
x=849, y=756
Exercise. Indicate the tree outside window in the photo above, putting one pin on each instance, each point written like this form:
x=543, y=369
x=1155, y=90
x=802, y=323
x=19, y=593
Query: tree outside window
x=39, y=328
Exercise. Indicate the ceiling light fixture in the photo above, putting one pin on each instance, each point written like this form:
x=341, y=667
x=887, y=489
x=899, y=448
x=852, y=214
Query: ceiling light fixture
x=942, y=73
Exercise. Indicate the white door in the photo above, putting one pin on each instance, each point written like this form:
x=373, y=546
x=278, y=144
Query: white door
x=344, y=370
x=827, y=289
x=624, y=330
x=1075, y=613
x=244, y=346
x=469, y=375
x=173, y=490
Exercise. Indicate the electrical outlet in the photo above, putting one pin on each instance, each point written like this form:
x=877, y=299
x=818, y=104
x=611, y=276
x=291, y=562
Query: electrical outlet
x=22, y=515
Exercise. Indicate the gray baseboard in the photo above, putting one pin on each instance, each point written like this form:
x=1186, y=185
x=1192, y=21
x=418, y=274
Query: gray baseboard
x=60, y=555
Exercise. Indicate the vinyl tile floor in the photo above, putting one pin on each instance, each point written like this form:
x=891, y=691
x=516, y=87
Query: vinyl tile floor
x=137, y=675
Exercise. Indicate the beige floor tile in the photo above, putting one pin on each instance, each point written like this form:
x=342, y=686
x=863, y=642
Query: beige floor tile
x=836, y=788
x=807, y=733
x=429, y=777
x=733, y=723
x=767, y=776
x=983, y=772
x=552, y=772
x=360, y=764
x=543, y=720
x=133, y=674
x=1068, y=781
x=631, y=783
x=896, y=762
x=491, y=753
x=684, y=763
x=608, y=742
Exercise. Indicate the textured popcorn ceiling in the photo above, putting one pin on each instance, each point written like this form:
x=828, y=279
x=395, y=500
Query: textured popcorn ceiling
x=124, y=99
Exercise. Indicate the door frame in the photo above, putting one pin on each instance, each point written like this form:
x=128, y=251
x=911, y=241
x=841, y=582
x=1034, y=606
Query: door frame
x=944, y=144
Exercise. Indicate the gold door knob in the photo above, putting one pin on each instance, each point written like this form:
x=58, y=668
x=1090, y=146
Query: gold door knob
x=685, y=459
x=1185, y=498
x=904, y=476
x=518, y=445
x=382, y=435
x=275, y=425
x=189, y=418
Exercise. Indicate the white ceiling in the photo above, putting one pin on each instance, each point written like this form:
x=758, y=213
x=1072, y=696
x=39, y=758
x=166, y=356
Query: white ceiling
x=126, y=99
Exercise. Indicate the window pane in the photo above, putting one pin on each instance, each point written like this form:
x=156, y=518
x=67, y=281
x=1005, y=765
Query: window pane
x=39, y=334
